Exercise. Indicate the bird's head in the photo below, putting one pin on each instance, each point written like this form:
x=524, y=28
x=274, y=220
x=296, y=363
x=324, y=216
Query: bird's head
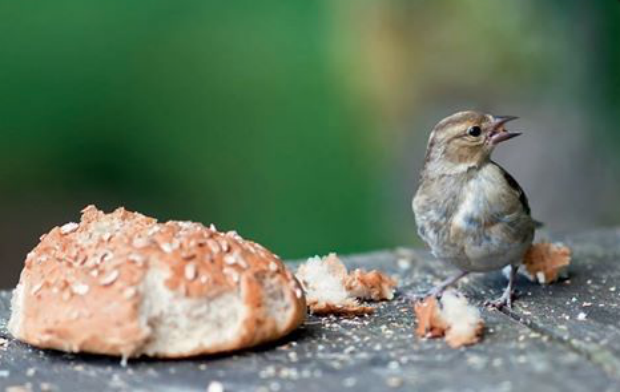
x=464, y=140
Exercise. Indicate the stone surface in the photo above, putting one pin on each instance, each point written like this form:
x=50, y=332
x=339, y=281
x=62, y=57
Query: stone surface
x=564, y=337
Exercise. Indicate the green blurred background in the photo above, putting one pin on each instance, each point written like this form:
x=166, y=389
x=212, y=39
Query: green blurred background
x=302, y=124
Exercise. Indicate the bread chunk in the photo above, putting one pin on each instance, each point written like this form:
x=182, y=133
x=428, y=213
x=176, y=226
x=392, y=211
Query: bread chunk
x=331, y=289
x=123, y=284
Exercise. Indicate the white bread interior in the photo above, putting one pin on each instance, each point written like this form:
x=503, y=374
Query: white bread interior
x=463, y=319
x=451, y=316
x=325, y=281
x=180, y=325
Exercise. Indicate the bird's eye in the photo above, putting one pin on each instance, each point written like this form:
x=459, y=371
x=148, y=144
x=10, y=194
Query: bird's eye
x=474, y=131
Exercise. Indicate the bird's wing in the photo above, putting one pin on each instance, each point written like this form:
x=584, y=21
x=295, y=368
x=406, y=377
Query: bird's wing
x=514, y=185
x=498, y=228
x=511, y=217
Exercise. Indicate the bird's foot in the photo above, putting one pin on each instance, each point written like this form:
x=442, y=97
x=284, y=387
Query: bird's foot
x=509, y=293
x=505, y=301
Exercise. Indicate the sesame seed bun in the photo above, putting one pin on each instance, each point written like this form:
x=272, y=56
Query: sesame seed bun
x=123, y=284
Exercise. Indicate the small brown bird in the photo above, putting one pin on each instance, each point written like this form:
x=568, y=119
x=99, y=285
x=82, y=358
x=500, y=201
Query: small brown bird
x=468, y=209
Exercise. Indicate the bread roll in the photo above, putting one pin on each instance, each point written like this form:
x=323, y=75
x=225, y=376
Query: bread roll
x=122, y=284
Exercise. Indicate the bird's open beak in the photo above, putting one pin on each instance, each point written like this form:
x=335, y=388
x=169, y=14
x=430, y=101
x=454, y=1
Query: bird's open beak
x=498, y=132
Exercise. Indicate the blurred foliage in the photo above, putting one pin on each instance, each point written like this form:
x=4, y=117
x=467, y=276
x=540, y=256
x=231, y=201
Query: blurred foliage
x=211, y=111
x=291, y=122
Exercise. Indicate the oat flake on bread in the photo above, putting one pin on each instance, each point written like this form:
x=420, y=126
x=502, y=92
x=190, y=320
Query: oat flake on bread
x=123, y=284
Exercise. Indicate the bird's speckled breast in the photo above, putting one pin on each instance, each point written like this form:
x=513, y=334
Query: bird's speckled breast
x=434, y=205
x=473, y=220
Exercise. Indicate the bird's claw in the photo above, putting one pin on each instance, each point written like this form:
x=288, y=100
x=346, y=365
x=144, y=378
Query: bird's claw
x=498, y=304
x=505, y=301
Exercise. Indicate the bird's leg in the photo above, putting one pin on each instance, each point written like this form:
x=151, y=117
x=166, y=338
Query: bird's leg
x=506, y=298
x=438, y=290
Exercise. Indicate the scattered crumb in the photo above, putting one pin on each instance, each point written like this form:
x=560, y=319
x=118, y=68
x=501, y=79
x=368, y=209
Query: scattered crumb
x=215, y=386
x=4, y=343
x=394, y=382
x=349, y=382
x=45, y=386
x=18, y=388
x=404, y=264
x=331, y=289
x=581, y=316
x=451, y=317
x=545, y=263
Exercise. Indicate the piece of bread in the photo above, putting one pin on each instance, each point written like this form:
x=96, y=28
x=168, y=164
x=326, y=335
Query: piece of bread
x=123, y=284
x=451, y=317
x=331, y=289
x=544, y=263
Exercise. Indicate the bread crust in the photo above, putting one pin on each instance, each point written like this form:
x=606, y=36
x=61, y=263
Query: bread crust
x=83, y=287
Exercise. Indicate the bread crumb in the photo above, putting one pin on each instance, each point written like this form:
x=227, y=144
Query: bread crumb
x=545, y=263
x=45, y=386
x=394, y=382
x=18, y=388
x=451, y=317
x=331, y=289
x=215, y=386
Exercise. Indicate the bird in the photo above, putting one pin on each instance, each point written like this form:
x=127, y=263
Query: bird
x=468, y=209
